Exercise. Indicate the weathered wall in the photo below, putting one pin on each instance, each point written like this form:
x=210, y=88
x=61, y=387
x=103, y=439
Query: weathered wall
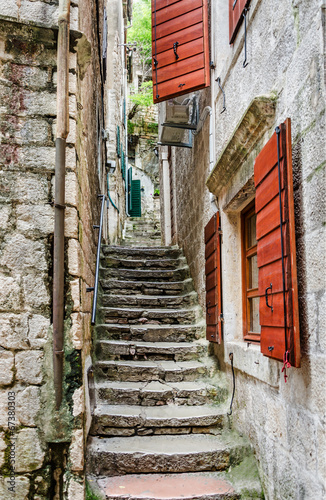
x=28, y=112
x=286, y=422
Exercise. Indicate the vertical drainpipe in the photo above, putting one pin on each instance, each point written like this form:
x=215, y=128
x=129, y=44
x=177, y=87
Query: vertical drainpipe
x=212, y=153
x=59, y=196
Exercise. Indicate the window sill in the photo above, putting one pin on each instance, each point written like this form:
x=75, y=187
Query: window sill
x=248, y=359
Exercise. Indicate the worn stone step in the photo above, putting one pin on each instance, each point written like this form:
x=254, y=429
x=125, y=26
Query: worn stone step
x=184, y=486
x=149, y=275
x=159, y=393
x=124, y=349
x=151, y=333
x=150, y=316
x=149, y=454
x=122, y=420
x=127, y=287
x=152, y=301
x=120, y=262
x=238, y=482
x=138, y=371
x=142, y=252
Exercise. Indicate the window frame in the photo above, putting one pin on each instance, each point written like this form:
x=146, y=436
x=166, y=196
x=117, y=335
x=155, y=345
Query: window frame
x=247, y=293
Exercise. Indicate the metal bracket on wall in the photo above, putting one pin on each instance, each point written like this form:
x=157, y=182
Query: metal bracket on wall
x=218, y=80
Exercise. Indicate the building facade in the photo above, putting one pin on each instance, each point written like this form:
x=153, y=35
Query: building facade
x=42, y=447
x=267, y=70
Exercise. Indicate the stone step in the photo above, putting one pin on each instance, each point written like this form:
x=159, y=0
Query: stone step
x=238, y=482
x=142, y=252
x=152, y=301
x=184, y=486
x=150, y=316
x=147, y=288
x=124, y=349
x=159, y=393
x=149, y=275
x=138, y=371
x=150, y=332
x=110, y=420
x=120, y=262
x=151, y=242
x=150, y=454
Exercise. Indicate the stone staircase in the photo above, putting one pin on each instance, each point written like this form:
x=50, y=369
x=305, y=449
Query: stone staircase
x=160, y=428
x=136, y=227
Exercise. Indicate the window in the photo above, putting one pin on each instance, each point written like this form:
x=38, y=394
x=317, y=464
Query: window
x=251, y=325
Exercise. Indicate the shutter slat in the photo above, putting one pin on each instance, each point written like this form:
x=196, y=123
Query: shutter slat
x=161, y=4
x=185, y=67
x=176, y=10
x=269, y=255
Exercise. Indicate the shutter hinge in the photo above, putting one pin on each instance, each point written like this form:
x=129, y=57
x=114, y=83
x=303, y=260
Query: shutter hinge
x=219, y=230
x=221, y=318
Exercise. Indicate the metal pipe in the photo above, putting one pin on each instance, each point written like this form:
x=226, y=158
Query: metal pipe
x=109, y=195
x=59, y=196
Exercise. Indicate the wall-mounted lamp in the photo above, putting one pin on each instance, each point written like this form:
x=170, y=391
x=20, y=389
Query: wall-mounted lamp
x=156, y=151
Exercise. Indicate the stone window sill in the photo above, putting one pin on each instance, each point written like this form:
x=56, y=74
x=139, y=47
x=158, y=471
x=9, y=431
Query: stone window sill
x=248, y=359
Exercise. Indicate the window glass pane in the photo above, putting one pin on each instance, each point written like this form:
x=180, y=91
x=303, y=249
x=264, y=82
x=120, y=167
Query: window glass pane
x=251, y=231
x=254, y=315
x=253, y=272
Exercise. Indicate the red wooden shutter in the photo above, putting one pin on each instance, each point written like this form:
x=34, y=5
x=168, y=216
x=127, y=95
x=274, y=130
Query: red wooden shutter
x=269, y=254
x=236, y=8
x=179, y=47
x=213, y=280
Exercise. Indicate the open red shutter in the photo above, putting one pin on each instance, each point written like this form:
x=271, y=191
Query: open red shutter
x=269, y=251
x=213, y=280
x=236, y=8
x=180, y=47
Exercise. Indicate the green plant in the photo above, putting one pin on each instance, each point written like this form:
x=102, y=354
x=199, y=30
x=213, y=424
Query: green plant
x=144, y=97
x=90, y=495
x=156, y=192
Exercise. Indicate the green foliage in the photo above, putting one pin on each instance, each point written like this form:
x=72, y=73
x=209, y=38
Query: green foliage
x=144, y=97
x=140, y=31
x=90, y=495
x=156, y=192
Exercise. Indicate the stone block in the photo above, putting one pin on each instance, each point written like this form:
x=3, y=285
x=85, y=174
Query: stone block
x=35, y=220
x=38, y=327
x=6, y=367
x=72, y=82
x=71, y=158
x=23, y=188
x=72, y=189
x=28, y=404
x=10, y=293
x=44, y=14
x=75, y=294
x=77, y=330
x=14, y=331
x=29, y=367
x=31, y=454
x=71, y=222
x=25, y=130
x=76, y=450
x=42, y=157
x=4, y=216
x=74, y=257
x=35, y=291
x=22, y=253
x=78, y=402
x=26, y=76
x=22, y=485
x=4, y=409
x=76, y=490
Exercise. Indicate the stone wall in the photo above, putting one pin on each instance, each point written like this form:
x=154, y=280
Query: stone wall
x=49, y=445
x=286, y=422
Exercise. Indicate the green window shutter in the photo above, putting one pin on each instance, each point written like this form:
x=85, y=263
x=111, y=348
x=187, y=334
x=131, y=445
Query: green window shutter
x=136, y=199
x=129, y=189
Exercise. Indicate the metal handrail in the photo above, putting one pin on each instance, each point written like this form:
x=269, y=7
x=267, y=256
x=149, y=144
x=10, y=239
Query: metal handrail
x=95, y=287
